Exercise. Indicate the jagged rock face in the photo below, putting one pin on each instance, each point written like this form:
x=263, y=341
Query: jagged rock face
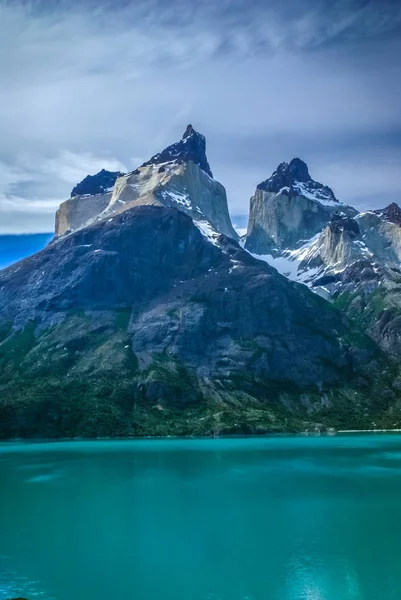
x=289, y=208
x=182, y=185
x=356, y=263
x=294, y=179
x=382, y=236
x=192, y=147
x=88, y=199
x=142, y=314
x=100, y=183
x=340, y=224
x=337, y=247
x=75, y=212
x=179, y=176
x=392, y=213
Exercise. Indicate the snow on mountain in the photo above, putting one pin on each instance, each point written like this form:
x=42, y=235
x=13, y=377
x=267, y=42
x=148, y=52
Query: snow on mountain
x=179, y=176
x=290, y=208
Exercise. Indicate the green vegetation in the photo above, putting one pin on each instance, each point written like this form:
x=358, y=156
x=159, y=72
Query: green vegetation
x=81, y=378
x=362, y=308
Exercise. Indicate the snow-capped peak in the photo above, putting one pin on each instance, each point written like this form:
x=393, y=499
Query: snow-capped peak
x=293, y=179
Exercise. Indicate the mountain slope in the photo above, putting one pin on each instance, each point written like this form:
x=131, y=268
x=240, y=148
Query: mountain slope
x=355, y=263
x=142, y=325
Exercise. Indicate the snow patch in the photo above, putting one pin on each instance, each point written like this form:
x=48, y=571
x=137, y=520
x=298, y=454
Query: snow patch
x=317, y=195
x=178, y=197
x=288, y=263
x=207, y=230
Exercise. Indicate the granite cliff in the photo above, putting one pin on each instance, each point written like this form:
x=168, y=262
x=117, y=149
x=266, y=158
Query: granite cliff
x=289, y=208
x=178, y=176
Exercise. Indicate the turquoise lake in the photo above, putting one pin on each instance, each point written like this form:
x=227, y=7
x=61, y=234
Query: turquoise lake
x=281, y=518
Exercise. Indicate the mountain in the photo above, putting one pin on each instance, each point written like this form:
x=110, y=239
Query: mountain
x=289, y=208
x=364, y=278
x=151, y=319
x=143, y=325
x=178, y=176
x=353, y=260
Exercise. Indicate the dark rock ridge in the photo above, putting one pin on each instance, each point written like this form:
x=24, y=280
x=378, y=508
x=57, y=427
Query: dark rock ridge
x=340, y=223
x=140, y=325
x=392, y=213
x=192, y=147
x=93, y=185
x=293, y=178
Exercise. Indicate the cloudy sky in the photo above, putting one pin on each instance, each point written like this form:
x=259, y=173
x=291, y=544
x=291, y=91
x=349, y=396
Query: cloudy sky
x=89, y=84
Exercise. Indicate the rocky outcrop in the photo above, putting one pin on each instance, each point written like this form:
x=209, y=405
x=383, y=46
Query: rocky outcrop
x=294, y=179
x=178, y=176
x=181, y=185
x=392, y=214
x=338, y=246
x=140, y=325
x=88, y=199
x=75, y=212
x=192, y=147
x=101, y=183
x=289, y=208
x=382, y=236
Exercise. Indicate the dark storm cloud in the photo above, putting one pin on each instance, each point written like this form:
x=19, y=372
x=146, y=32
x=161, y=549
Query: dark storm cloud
x=90, y=84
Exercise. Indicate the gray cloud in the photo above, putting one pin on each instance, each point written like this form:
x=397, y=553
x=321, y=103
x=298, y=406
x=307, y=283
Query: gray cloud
x=86, y=85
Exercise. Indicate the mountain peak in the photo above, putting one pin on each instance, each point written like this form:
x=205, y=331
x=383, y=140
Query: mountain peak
x=392, y=213
x=293, y=179
x=192, y=146
x=299, y=170
x=189, y=131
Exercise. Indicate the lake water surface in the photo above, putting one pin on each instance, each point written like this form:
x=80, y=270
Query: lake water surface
x=283, y=518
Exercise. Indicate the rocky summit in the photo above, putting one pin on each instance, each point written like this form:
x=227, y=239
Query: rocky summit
x=293, y=179
x=192, y=147
x=147, y=316
x=178, y=176
x=289, y=208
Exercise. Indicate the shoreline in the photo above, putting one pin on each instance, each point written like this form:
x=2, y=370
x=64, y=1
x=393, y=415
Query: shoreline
x=330, y=433
x=367, y=431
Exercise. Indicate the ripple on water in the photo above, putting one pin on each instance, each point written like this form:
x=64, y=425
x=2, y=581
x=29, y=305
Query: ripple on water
x=13, y=585
x=42, y=478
